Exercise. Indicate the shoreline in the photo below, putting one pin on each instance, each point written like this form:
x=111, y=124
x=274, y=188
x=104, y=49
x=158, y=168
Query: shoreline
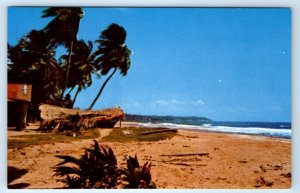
x=203, y=129
x=233, y=161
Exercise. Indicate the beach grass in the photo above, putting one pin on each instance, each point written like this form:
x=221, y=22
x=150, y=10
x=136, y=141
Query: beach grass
x=128, y=134
x=22, y=141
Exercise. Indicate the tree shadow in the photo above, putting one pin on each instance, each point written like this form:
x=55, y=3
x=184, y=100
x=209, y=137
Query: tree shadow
x=13, y=174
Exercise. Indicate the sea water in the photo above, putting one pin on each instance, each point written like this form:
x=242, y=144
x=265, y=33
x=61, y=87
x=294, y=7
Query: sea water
x=271, y=129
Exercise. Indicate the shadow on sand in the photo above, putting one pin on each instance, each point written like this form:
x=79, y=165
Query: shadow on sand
x=13, y=174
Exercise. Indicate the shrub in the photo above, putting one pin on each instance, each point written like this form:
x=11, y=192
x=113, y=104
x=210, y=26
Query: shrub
x=137, y=176
x=97, y=168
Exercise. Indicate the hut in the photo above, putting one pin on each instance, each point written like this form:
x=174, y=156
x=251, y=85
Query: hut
x=18, y=99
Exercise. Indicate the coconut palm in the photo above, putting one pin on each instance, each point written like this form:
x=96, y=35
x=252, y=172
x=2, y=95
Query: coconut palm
x=32, y=61
x=81, y=66
x=63, y=29
x=112, y=54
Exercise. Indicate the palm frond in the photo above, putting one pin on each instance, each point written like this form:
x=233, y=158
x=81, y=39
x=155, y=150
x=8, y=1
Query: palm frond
x=67, y=159
x=65, y=170
x=64, y=27
x=112, y=51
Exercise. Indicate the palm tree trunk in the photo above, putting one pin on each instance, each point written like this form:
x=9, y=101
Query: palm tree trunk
x=71, y=90
x=68, y=70
x=100, y=91
x=78, y=90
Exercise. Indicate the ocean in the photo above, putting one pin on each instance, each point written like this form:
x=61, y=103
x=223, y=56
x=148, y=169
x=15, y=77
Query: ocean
x=271, y=129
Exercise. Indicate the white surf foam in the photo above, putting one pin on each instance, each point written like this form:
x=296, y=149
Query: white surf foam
x=285, y=133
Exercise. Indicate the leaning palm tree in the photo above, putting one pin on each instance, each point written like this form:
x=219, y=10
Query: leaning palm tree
x=112, y=54
x=63, y=29
x=81, y=67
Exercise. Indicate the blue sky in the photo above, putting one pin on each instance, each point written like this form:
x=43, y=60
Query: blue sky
x=227, y=64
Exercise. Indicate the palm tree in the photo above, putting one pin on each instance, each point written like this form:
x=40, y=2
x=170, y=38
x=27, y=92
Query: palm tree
x=32, y=61
x=112, y=54
x=81, y=66
x=63, y=29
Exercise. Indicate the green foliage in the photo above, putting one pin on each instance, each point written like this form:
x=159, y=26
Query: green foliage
x=81, y=67
x=112, y=54
x=97, y=168
x=137, y=176
x=112, y=51
x=64, y=26
x=62, y=30
x=22, y=141
x=33, y=60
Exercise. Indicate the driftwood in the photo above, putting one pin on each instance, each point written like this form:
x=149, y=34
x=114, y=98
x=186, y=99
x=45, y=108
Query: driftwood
x=187, y=154
x=58, y=118
x=184, y=164
x=262, y=182
x=180, y=164
x=159, y=131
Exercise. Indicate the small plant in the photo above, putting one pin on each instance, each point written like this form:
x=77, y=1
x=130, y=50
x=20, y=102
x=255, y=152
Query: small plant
x=97, y=168
x=137, y=176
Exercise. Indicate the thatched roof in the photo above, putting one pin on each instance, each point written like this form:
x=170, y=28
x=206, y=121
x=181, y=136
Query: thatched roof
x=50, y=112
x=53, y=116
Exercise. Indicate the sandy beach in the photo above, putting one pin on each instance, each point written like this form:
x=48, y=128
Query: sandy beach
x=210, y=160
